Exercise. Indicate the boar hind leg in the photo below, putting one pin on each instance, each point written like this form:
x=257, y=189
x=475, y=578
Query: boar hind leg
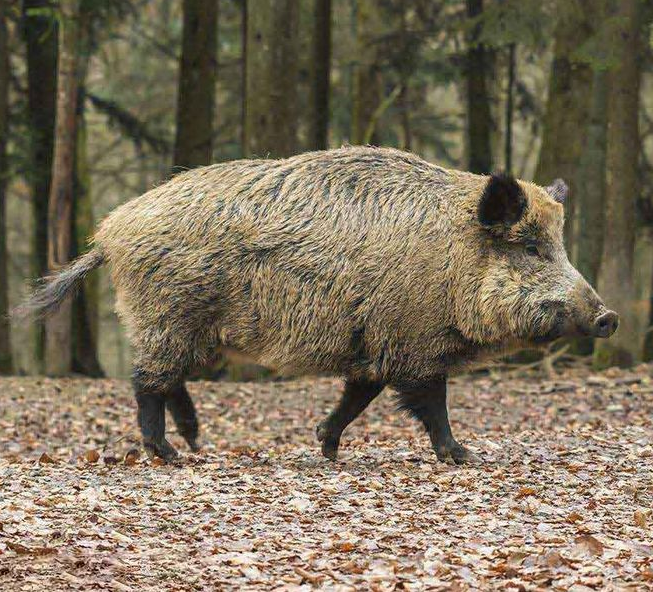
x=182, y=409
x=355, y=398
x=150, y=390
x=428, y=404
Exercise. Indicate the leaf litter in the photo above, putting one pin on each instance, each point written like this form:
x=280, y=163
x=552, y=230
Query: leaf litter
x=563, y=499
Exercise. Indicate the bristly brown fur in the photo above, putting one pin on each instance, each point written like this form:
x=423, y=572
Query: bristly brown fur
x=364, y=262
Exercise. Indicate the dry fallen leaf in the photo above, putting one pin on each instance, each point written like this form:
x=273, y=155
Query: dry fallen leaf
x=132, y=456
x=525, y=492
x=92, y=456
x=589, y=544
x=640, y=519
x=46, y=459
x=574, y=517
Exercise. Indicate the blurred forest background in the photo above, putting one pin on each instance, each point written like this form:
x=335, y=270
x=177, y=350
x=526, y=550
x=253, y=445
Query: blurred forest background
x=114, y=96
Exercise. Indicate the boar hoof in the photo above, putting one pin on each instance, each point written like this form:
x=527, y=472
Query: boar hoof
x=160, y=448
x=454, y=453
x=330, y=443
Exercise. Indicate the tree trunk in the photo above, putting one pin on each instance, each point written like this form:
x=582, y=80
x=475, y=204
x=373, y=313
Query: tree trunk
x=321, y=70
x=85, y=313
x=622, y=186
x=565, y=119
x=271, y=93
x=197, y=79
x=5, y=342
x=479, y=118
x=591, y=184
x=367, y=90
x=40, y=34
x=510, y=106
x=58, y=326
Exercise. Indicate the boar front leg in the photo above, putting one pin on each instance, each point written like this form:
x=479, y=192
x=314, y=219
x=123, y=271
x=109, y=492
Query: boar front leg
x=428, y=403
x=355, y=398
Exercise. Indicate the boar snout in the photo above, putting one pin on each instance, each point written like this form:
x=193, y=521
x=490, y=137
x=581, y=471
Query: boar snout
x=605, y=324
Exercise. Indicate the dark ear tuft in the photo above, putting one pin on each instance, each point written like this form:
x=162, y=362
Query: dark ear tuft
x=558, y=190
x=503, y=202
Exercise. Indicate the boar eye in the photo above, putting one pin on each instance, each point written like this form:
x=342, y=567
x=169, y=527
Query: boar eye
x=532, y=249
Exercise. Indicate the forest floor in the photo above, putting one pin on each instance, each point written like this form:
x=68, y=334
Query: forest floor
x=562, y=500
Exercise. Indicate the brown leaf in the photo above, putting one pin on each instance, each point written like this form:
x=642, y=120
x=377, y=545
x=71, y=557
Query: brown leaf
x=132, y=456
x=92, y=456
x=46, y=459
x=525, y=492
x=640, y=519
x=313, y=578
x=23, y=550
x=574, y=517
x=158, y=462
x=589, y=544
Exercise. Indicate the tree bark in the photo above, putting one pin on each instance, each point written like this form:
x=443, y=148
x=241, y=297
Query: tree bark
x=565, y=119
x=271, y=92
x=366, y=83
x=59, y=325
x=616, y=284
x=510, y=102
x=321, y=71
x=197, y=81
x=85, y=314
x=591, y=184
x=5, y=341
x=40, y=33
x=479, y=118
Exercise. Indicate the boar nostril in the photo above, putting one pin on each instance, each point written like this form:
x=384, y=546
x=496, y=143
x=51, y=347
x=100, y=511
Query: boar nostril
x=606, y=324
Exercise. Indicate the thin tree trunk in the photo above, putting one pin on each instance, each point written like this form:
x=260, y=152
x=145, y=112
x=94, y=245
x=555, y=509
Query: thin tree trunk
x=40, y=33
x=616, y=284
x=5, y=341
x=85, y=313
x=479, y=118
x=58, y=348
x=367, y=91
x=510, y=106
x=243, y=73
x=568, y=105
x=197, y=76
x=404, y=95
x=271, y=103
x=321, y=70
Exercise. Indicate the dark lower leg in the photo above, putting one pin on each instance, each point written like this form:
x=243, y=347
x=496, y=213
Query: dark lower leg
x=151, y=416
x=355, y=398
x=181, y=408
x=428, y=404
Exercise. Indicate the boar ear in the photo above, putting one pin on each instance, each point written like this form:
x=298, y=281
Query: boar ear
x=558, y=190
x=503, y=202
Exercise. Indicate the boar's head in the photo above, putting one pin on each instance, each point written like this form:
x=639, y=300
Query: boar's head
x=524, y=286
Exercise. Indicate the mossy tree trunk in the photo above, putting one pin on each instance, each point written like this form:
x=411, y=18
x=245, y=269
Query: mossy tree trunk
x=567, y=108
x=479, y=117
x=197, y=83
x=622, y=185
x=40, y=34
x=58, y=342
x=5, y=342
x=271, y=78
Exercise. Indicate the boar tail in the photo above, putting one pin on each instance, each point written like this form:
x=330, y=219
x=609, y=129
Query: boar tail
x=52, y=290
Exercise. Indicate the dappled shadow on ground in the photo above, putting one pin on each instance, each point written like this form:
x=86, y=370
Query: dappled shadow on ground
x=563, y=498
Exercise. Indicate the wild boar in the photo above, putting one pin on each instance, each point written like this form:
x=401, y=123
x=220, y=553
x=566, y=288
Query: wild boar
x=367, y=263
